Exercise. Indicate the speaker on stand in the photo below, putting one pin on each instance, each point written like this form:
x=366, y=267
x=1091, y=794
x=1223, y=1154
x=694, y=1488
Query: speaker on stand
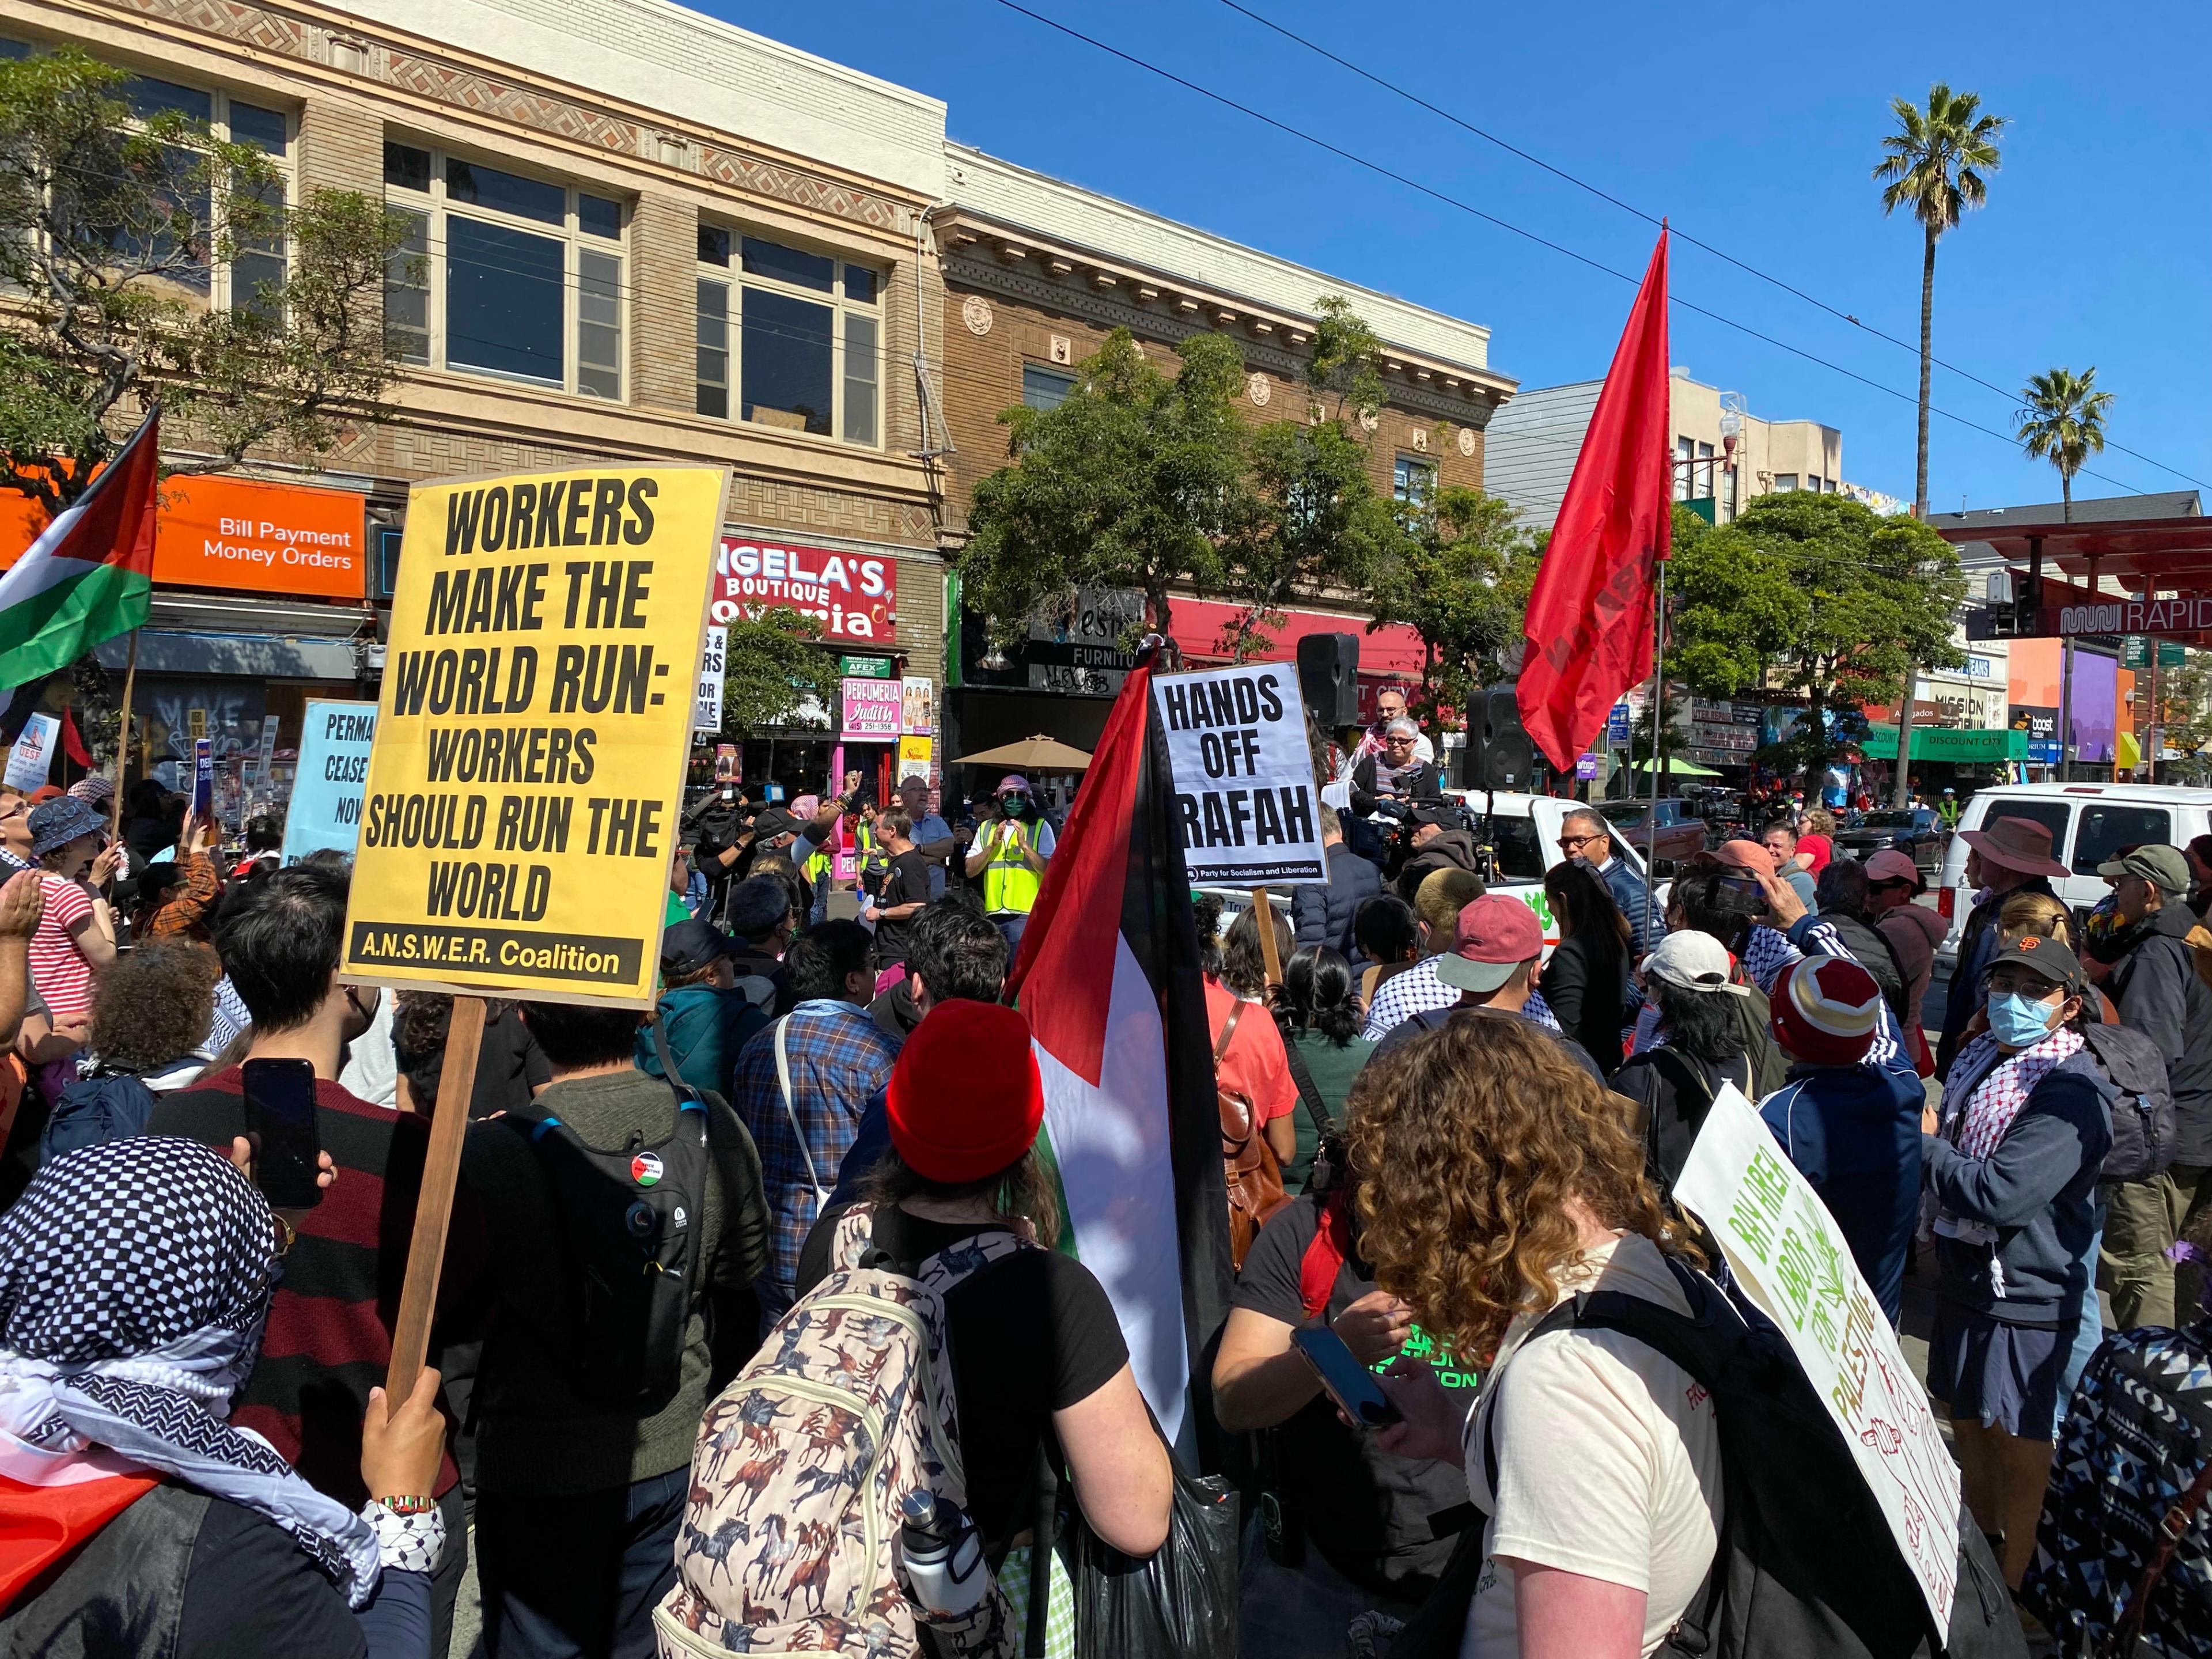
x=1328, y=678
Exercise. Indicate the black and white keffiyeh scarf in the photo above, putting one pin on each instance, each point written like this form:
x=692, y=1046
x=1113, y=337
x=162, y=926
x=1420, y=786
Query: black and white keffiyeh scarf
x=134, y=1280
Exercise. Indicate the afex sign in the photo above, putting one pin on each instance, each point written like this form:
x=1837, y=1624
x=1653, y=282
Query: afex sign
x=2187, y=613
x=853, y=595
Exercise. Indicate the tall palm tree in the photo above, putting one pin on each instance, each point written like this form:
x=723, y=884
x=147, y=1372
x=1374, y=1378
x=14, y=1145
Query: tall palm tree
x=1934, y=165
x=2062, y=421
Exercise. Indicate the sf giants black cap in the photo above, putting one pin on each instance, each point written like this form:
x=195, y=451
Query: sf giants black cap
x=2046, y=957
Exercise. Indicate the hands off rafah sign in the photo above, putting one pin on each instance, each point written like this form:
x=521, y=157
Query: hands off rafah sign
x=1246, y=805
x=853, y=595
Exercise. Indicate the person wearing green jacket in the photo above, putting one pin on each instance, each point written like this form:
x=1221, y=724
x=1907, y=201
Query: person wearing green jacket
x=703, y=1017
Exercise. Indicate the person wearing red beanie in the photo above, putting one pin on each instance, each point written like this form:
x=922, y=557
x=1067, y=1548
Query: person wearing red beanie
x=1037, y=1352
x=1852, y=1129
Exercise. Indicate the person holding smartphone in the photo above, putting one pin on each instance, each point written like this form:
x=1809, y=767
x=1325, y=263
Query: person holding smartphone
x=1345, y=1521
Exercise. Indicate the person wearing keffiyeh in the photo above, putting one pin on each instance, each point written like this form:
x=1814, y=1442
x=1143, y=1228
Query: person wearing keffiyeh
x=134, y=1277
x=2012, y=1159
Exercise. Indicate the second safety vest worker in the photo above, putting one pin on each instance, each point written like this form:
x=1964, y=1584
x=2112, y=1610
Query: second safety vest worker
x=1010, y=856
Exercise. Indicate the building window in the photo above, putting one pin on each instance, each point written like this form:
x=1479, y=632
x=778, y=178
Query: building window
x=505, y=275
x=803, y=332
x=1784, y=481
x=1684, y=452
x=1413, y=481
x=1045, y=388
x=249, y=280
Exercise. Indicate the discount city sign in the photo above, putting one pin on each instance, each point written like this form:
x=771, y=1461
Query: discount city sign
x=2185, y=613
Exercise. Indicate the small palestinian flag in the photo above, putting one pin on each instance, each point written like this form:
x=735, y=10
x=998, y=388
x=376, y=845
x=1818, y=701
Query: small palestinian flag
x=90, y=575
x=1108, y=976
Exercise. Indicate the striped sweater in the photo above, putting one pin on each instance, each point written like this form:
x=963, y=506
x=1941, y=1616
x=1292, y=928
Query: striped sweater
x=329, y=1336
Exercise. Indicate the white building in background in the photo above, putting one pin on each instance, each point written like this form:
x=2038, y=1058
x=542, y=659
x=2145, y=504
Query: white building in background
x=1724, y=455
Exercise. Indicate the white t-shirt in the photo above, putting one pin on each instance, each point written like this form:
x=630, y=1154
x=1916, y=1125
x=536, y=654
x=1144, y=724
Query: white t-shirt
x=1609, y=1462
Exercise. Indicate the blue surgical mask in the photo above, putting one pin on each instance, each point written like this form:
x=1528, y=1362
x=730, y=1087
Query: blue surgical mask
x=2019, y=1022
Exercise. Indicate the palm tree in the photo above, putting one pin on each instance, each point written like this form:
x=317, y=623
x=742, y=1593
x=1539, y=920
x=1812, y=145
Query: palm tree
x=1935, y=165
x=2062, y=421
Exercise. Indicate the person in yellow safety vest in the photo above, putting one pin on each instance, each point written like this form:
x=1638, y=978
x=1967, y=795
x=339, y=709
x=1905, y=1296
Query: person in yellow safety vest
x=1010, y=855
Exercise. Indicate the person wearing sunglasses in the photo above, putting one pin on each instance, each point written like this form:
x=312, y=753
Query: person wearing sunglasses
x=1585, y=837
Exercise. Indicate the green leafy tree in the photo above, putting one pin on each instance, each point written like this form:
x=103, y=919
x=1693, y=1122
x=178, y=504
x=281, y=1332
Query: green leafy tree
x=2185, y=696
x=1933, y=166
x=2062, y=421
x=1817, y=596
x=1459, y=576
x=1316, y=522
x=1134, y=482
x=773, y=662
x=111, y=231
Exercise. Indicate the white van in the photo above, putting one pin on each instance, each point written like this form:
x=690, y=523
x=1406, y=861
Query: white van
x=2089, y=822
x=1524, y=832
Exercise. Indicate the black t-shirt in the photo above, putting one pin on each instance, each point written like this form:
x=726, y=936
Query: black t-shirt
x=906, y=882
x=510, y=1064
x=1030, y=1335
x=1365, y=1511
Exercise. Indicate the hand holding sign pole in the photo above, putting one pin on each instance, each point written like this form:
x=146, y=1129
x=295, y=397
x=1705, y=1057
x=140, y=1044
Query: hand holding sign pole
x=525, y=776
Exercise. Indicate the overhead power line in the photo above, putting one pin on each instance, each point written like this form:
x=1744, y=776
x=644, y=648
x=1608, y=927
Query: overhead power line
x=1629, y=208
x=1450, y=201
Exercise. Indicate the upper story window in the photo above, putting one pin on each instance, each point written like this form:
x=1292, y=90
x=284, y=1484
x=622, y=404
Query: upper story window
x=252, y=278
x=519, y=277
x=1785, y=481
x=1413, y=481
x=788, y=338
x=1045, y=388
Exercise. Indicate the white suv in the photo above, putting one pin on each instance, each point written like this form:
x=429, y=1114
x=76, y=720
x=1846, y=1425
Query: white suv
x=2089, y=822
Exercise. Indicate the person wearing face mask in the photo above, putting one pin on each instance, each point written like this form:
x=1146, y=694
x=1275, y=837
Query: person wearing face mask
x=2012, y=1159
x=329, y=1338
x=2008, y=856
x=1009, y=858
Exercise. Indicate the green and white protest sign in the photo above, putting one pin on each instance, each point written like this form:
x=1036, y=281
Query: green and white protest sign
x=1785, y=1247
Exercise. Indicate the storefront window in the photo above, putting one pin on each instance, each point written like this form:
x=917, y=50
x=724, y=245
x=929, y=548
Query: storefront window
x=506, y=275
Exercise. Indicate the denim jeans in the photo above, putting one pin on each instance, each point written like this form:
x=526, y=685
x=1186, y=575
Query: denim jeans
x=571, y=1575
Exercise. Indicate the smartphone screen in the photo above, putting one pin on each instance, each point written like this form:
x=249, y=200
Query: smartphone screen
x=1347, y=1383
x=279, y=1118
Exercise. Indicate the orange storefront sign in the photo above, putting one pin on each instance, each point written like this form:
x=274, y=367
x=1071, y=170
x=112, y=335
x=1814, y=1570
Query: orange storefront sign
x=231, y=532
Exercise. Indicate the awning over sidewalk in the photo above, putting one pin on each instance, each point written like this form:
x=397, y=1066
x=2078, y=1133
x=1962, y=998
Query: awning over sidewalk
x=1198, y=625
x=1966, y=745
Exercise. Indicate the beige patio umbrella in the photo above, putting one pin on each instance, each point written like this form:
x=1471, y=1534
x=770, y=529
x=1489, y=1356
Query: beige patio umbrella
x=1036, y=754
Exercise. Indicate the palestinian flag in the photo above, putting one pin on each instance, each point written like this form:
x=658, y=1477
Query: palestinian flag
x=1108, y=973
x=90, y=575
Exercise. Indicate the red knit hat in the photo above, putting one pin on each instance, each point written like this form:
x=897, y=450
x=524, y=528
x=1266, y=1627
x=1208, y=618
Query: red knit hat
x=965, y=1099
x=1825, y=1011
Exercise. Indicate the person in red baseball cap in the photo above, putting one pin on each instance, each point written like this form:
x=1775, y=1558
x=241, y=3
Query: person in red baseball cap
x=1037, y=1358
x=1852, y=1130
x=1495, y=950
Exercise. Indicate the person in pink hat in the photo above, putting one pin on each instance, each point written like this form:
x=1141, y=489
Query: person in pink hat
x=1912, y=932
x=1009, y=857
x=2005, y=856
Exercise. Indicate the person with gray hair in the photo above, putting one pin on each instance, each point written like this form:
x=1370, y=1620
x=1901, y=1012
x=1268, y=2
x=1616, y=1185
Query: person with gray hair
x=1586, y=837
x=1397, y=775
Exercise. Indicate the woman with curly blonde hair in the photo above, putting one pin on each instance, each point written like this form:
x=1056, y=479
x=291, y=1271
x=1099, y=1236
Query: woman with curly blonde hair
x=1494, y=1178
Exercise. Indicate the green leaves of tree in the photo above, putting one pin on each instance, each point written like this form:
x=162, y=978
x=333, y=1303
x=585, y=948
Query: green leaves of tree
x=1459, y=576
x=772, y=664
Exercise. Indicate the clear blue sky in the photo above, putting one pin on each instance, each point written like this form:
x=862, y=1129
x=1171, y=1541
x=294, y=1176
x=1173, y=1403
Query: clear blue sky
x=1755, y=131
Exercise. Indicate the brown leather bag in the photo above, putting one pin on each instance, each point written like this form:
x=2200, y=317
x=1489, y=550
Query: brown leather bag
x=1248, y=1169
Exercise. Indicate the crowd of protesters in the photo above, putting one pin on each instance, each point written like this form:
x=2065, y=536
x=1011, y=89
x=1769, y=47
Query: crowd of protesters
x=1447, y=1129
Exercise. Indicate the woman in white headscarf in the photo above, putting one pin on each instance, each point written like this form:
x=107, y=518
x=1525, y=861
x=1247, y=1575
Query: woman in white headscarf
x=134, y=1280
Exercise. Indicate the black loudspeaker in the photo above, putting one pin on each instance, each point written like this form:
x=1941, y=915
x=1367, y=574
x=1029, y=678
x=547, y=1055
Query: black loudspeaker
x=1328, y=678
x=1499, y=752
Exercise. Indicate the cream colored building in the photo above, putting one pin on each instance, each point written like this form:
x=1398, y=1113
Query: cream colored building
x=1722, y=453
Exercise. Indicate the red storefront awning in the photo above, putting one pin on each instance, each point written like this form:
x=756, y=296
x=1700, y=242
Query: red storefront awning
x=1392, y=652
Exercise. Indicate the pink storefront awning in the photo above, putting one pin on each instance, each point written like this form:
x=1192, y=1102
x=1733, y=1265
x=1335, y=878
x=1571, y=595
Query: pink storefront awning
x=1393, y=651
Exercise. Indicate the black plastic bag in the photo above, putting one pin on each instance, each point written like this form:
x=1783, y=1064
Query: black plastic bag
x=1180, y=1603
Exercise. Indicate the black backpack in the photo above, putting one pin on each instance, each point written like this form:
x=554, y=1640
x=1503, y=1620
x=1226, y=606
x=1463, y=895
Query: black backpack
x=1805, y=1566
x=627, y=1218
x=2143, y=1128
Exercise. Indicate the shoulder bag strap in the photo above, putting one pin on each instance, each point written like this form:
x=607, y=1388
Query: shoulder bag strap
x=2173, y=1527
x=1679, y=1068
x=1228, y=1029
x=1309, y=1090
x=791, y=1112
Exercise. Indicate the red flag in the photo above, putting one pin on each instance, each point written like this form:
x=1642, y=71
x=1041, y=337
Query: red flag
x=72, y=745
x=1589, y=626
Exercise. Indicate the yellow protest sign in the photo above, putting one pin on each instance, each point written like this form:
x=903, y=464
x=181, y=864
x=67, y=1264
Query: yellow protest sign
x=532, y=735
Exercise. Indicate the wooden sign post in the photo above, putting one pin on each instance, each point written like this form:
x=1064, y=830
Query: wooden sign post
x=433, y=1208
x=1263, y=911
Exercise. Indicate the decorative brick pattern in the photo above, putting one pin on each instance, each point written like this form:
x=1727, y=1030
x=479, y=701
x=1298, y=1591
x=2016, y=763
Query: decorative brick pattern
x=663, y=239
x=921, y=632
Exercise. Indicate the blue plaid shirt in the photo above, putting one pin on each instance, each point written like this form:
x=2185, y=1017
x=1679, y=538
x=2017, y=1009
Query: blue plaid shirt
x=840, y=1058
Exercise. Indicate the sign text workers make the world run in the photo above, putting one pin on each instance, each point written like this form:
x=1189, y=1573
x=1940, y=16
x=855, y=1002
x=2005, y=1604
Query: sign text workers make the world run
x=1246, y=804
x=527, y=774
